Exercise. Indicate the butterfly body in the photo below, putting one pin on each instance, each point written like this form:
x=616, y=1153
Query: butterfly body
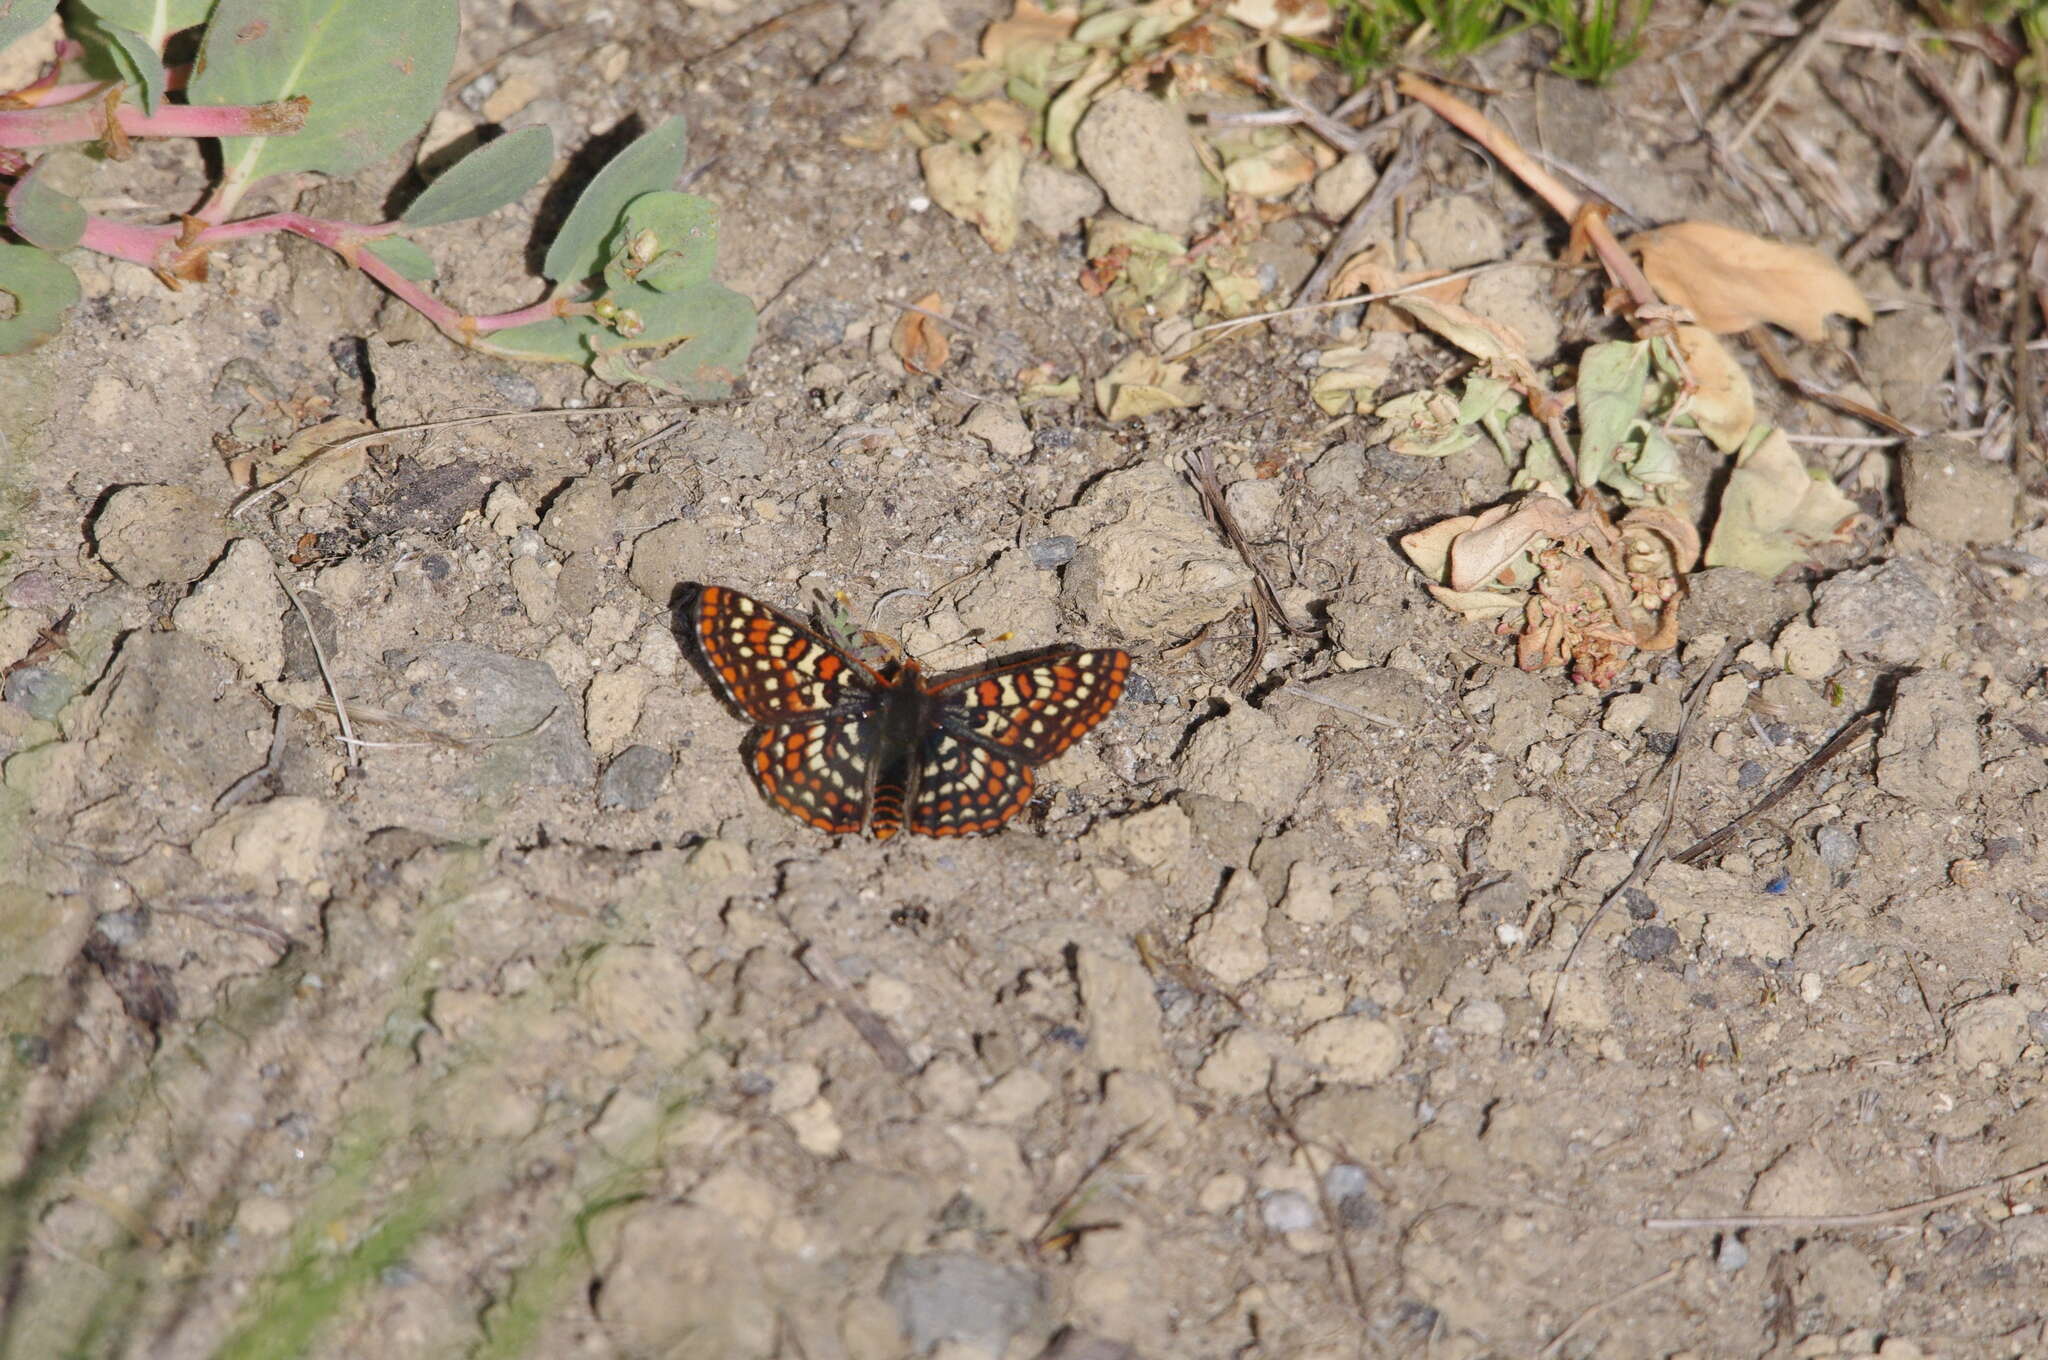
x=853, y=749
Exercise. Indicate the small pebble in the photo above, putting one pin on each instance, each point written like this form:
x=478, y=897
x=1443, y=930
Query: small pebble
x=1285, y=1211
x=1732, y=1256
x=1750, y=775
x=1837, y=845
x=40, y=690
x=1049, y=553
x=1645, y=943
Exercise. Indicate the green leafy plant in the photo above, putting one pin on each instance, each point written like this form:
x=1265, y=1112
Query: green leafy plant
x=1596, y=38
x=287, y=86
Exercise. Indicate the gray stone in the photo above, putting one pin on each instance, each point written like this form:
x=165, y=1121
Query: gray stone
x=953, y=1296
x=634, y=778
x=152, y=535
x=40, y=690
x=1890, y=613
x=1953, y=494
x=1734, y=603
x=1049, y=553
x=467, y=690
x=1139, y=151
x=1055, y=200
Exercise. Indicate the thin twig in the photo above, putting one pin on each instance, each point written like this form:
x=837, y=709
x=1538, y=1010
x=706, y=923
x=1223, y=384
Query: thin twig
x=1795, y=61
x=1351, y=237
x=1331, y=1215
x=1556, y=1346
x=1876, y=1219
x=1652, y=853
x=865, y=1022
x=383, y=435
x=1302, y=692
x=348, y=733
x=1236, y=323
x=1840, y=742
x=1266, y=606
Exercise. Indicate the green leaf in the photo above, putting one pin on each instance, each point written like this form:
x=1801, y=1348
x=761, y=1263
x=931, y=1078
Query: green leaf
x=561, y=340
x=19, y=18
x=41, y=287
x=652, y=162
x=373, y=70
x=402, y=255
x=485, y=180
x=1774, y=513
x=130, y=54
x=1611, y=379
x=706, y=330
x=43, y=216
x=151, y=20
x=668, y=241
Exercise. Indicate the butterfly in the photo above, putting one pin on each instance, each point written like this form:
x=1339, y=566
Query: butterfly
x=851, y=748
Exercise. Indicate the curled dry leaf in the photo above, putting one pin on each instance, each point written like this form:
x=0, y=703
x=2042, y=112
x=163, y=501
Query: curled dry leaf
x=324, y=475
x=919, y=339
x=1585, y=592
x=1721, y=404
x=1142, y=384
x=979, y=187
x=1486, y=340
x=1730, y=280
x=1775, y=513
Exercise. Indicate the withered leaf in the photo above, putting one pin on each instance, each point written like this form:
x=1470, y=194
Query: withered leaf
x=919, y=340
x=1730, y=280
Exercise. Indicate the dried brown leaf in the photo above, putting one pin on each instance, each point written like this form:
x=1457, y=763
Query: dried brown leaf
x=919, y=340
x=1730, y=280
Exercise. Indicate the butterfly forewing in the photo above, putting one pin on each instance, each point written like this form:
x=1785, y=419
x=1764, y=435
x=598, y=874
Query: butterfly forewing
x=965, y=789
x=1037, y=707
x=771, y=667
x=815, y=771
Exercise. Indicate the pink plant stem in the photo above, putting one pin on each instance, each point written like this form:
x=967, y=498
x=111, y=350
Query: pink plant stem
x=160, y=248
x=84, y=120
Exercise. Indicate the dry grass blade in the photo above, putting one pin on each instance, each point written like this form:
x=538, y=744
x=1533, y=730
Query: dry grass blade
x=1357, y=228
x=1841, y=741
x=1875, y=1219
x=1266, y=606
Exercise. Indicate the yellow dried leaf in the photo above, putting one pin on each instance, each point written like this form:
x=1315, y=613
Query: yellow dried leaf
x=1273, y=173
x=1722, y=404
x=1028, y=24
x=978, y=187
x=1142, y=384
x=1774, y=513
x=324, y=475
x=1730, y=280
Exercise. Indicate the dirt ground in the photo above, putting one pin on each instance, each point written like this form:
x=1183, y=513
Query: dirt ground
x=532, y=1030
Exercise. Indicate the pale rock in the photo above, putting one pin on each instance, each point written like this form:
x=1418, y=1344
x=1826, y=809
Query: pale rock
x=239, y=610
x=1805, y=651
x=1238, y=1066
x=1229, y=941
x=1221, y=1193
x=281, y=840
x=1929, y=752
x=1311, y=898
x=1344, y=185
x=816, y=1128
x=1803, y=1180
x=612, y=705
x=1533, y=837
x=1480, y=1017
x=1354, y=1048
x=999, y=427
x=796, y=1084
x=1123, y=1013
x=1157, y=837
x=1015, y=1096
x=1246, y=757
x=1139, y=150
x=647, y=995
x=1055, y=200
x=947, y=1087
x=1991, y=1029
x=996, y=1176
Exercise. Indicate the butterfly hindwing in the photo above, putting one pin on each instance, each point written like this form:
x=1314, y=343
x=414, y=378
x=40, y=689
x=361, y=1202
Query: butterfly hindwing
x=772, y=668
x=815, y=771
x=965, y=789
x=1035, y=707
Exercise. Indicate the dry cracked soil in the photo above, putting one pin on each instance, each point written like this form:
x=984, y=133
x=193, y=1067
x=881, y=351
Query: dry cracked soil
x=523, y=1026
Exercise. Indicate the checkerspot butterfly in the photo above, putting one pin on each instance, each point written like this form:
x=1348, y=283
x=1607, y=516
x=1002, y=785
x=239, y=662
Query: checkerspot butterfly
x=851, y=748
